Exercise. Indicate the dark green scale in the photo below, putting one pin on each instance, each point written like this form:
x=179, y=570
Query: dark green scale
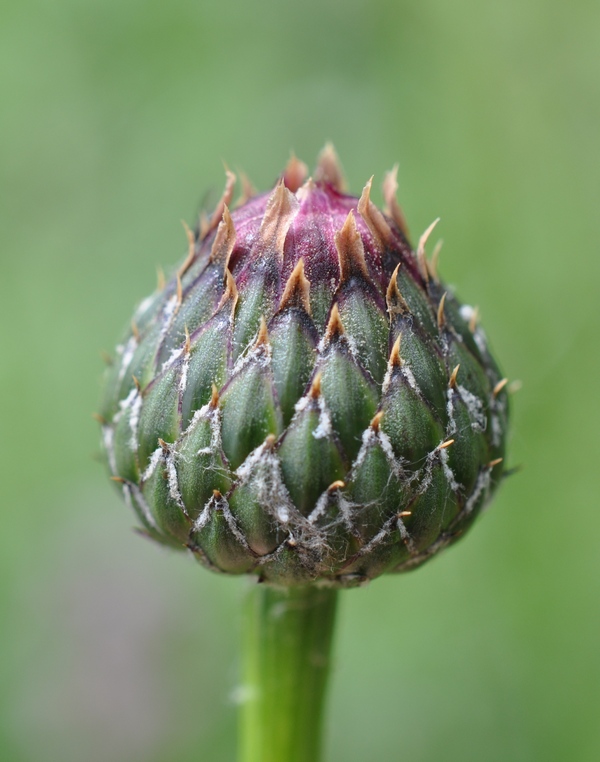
x=382, y=557
x=253, y=504
x=432, y=511
x=375, y=491
x=320, y=302
x=470, y=449
x=257, y=300
x=220, y=544
x=291, y=565
x=200, y=468
x=167, y=513
x=110, y=397
x=310, y=458
x=142, y=364
x=293, y=340
x=350, y=396
x=420, y=354
x=409, y=422
x=209, y=353
x=365, y=321
x=159, y=417
x=376, y=498
x=125, y=445
x=250, y=411
x=147, y=528
x=418, y=301
x=471, y=374
x=342, y=543
x=198, y=304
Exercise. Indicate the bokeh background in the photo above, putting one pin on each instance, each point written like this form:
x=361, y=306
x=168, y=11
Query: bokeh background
x=115, y=119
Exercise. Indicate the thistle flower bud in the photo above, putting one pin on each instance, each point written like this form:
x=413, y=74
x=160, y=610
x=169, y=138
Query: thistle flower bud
x=304, y=400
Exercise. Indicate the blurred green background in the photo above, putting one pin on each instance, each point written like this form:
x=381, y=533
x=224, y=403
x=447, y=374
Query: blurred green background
x=115, y=118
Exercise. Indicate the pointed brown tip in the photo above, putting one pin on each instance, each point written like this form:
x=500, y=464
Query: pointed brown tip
x=392, y=208
x=376, y=421
x=499, y=387
x=473, y=320
x=350, y=249
x=421, y=258
x=191, y=249
x=339, y=484
x=230, y=295
x=297, y=290
x=214, y=396
x=100, y=419
x=374, y=219
x=315, y=388
x=445, y=444
x=295, y=173
x=163, y=444
x=404, y=514
x=281, y=210
x=217, y=495
x=441, y=320
x=394, y=299
x=224, y=201
x=305, y=190
x=329, y=169
x=434, y=261
x=224, y=240
x=188, y=343
x=395, y=361
x=365, y=196
x=137, y=384
x=263, y=336
x=135, y=331
x=495, y=462
x=270, y=441
x=334, y=324
x=118, y=479
x=452, y=382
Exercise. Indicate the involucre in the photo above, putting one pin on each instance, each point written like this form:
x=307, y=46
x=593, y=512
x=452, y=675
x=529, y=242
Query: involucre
x=304, y=400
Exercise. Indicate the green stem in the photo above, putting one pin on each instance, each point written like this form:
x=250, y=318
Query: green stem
x=286, y=641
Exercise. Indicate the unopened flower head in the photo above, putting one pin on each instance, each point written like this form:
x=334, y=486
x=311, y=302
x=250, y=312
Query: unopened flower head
x=304, y=400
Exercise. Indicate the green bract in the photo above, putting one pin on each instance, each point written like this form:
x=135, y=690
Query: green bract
x=304, y=400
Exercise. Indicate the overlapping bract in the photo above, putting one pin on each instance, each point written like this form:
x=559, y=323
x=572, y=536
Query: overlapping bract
x=303, y=400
